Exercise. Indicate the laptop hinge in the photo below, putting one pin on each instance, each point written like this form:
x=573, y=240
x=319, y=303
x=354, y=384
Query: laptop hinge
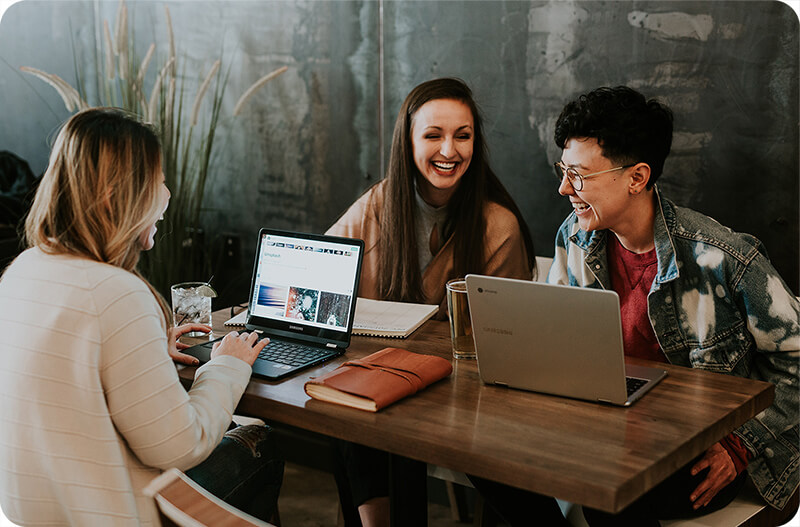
x=331, y=345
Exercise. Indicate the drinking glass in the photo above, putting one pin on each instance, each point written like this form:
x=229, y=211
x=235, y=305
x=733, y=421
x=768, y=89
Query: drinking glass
x=191, y=305
x=460, y=324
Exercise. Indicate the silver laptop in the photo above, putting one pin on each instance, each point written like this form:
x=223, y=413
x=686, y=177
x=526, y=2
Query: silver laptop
x=553, y=339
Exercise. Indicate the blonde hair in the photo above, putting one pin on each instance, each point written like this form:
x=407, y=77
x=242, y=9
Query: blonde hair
x=100, y=191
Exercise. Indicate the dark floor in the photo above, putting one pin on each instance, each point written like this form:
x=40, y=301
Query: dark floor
x=308, y=499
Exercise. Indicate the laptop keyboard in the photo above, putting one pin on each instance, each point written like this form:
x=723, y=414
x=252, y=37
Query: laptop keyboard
x=291, y=353
x=634, y=383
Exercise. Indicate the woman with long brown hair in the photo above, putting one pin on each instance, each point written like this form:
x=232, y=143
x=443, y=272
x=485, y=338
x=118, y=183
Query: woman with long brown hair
x=92, y=408
x=440, y=213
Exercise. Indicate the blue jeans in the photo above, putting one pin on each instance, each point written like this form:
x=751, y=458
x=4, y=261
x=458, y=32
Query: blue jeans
x=244, y=471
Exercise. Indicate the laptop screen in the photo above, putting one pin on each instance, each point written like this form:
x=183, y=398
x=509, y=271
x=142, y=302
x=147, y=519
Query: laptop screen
x=305, y=284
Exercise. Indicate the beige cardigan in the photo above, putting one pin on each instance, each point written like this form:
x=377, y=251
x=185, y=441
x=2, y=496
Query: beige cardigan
x=505, y=248
x=91, y=408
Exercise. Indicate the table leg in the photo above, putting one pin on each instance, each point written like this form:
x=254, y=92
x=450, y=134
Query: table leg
x=408, y=492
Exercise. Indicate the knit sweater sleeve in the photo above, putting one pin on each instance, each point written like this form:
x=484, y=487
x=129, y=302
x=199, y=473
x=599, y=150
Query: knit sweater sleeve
x=162, y=424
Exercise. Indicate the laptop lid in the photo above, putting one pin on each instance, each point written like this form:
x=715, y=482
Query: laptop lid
x=303, y=290
x=304, y=287
x=553, y=339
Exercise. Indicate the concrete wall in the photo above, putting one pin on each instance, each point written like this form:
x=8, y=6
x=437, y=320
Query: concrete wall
x=312, y=141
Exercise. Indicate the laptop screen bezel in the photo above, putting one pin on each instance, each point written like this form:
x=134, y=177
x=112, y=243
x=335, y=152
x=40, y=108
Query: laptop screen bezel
x=291, y=329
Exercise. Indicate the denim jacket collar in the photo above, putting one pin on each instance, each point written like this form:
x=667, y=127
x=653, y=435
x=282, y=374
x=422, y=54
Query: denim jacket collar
x=594, y=242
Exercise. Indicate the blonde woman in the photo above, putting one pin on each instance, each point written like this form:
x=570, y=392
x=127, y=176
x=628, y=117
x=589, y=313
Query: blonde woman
x=91, y=408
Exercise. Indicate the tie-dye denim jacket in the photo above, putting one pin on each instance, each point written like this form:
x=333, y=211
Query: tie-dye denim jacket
x=716, y=304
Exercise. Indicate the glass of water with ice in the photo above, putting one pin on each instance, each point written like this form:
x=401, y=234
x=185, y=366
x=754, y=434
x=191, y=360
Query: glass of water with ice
x=191, y=304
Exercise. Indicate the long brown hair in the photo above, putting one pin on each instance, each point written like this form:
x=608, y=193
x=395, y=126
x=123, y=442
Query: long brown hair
x=400, y=277
x=100, y=191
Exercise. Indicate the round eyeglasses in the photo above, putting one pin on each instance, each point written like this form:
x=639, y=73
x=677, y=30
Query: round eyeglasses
x=576, y=179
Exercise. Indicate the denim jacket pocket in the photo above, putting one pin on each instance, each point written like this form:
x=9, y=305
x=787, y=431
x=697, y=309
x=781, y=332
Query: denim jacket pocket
x=723, y=352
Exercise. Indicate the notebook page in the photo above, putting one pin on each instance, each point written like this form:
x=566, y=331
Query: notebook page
x=390, y=319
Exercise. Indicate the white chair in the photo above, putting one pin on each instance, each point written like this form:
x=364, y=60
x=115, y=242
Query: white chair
x=183, y=503
x=543, y=264
x=747, y=510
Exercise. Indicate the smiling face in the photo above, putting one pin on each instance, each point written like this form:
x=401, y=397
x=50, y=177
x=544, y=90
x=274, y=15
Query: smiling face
x=147, y=238
x=442, y=136
x=604, y=201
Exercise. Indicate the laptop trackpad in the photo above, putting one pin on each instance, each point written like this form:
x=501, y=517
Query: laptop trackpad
x=201, y=351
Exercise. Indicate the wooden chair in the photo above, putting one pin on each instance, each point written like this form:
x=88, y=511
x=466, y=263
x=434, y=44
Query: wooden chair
x=183, y=503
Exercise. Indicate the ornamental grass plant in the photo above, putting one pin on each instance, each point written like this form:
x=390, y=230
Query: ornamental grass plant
x=186, y=125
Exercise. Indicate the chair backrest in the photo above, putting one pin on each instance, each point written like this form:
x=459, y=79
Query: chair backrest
x=183, y=503
x=543, y=264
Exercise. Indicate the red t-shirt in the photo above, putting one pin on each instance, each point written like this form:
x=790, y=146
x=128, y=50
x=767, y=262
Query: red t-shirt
x=632, y=276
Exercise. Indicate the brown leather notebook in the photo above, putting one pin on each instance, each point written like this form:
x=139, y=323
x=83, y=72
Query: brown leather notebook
x=378, y=380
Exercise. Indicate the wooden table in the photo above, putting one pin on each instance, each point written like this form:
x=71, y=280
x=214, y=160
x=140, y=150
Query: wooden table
x=600, y=456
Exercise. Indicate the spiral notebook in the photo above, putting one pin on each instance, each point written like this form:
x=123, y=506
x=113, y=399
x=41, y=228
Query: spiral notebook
x=239, y=321
x=381, y=318
x=377, y=318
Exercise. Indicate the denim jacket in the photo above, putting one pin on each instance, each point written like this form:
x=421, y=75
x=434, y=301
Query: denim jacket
x=716, y=304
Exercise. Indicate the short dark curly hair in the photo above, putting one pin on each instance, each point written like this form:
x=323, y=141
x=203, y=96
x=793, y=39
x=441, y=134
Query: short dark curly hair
x=628, y=127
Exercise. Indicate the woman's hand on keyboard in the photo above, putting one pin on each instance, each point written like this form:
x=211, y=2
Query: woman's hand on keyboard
x=245, y=346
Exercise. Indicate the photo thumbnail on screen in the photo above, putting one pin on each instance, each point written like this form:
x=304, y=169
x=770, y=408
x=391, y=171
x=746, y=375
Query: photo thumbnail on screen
x=334, y=309
x=302, y=304
x=273, y=297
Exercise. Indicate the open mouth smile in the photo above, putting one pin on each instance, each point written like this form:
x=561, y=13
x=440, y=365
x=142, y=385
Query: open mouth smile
x=444, y=167
x=581, y=208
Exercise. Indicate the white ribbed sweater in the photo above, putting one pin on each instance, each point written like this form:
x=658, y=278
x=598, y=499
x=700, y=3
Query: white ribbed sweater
x=91, y=408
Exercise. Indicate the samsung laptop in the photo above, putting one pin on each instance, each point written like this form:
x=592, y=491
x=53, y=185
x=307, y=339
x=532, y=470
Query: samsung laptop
x=303, y=297
x=553, y=339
